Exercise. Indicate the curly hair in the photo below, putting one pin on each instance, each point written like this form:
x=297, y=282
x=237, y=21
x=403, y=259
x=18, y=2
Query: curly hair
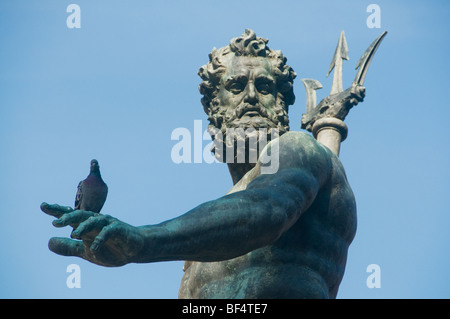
x=248, y=44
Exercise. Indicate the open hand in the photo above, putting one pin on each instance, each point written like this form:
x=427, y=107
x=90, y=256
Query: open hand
x=98, y=238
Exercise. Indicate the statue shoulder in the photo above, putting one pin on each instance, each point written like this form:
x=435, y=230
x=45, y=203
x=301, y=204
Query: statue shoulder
x=302, y=148
x=299, y=150
x=298, y=140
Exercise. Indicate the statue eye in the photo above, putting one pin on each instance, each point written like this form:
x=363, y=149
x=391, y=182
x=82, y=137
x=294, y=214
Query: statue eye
x=236, y=87
x=264, y=87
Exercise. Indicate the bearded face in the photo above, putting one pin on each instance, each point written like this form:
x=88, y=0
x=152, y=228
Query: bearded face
x=247, y=100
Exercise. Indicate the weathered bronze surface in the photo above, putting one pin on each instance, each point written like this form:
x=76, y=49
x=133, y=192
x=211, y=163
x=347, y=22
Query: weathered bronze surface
x=283, y=234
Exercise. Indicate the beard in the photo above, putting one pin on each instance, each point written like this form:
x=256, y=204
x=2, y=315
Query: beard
x=240, y=137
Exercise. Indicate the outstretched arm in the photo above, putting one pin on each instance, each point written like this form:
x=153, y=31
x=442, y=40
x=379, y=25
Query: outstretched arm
x=217, y=230
x=234, y=224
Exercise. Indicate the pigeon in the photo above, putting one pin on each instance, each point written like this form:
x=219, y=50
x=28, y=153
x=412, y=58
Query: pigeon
x=92, y=192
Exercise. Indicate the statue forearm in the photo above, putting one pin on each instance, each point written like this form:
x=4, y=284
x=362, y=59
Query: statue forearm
x=227, y=227
x=216, y=230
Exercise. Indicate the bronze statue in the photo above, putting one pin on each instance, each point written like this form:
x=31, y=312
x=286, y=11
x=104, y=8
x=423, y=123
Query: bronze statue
x=283, y=234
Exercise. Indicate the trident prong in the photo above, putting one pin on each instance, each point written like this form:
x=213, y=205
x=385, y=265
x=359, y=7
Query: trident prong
x=340, y=54
x=326, y=120
x=366, y=58
x=311, y=86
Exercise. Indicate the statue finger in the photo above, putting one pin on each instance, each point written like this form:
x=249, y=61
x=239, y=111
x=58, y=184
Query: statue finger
x=73, y=218
x=91, y=224
x=107, y=232
x=55, y=210
x=66, y=246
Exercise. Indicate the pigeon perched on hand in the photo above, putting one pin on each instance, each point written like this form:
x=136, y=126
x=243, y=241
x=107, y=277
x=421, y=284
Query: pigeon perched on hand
x=92, y=192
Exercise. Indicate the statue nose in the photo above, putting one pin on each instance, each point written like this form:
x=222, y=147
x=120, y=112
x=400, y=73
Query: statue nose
x=251, y=96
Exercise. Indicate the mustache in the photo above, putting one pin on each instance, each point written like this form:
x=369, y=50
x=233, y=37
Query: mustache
x=261, y=117
x=246, y=107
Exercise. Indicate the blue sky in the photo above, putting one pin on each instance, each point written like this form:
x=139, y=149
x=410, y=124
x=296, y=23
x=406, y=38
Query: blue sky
x=116, y=88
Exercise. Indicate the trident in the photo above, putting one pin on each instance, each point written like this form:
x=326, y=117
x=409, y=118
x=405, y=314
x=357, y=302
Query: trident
x=326, y=120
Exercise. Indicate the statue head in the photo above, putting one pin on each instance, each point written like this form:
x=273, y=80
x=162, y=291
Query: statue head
x=247, y=85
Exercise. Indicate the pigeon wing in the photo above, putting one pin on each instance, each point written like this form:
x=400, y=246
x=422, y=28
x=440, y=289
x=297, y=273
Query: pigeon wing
x=79, y=196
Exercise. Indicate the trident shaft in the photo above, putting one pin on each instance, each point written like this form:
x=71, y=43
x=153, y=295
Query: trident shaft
x=326, y=120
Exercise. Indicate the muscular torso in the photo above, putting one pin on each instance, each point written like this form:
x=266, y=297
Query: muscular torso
x=307, y=261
